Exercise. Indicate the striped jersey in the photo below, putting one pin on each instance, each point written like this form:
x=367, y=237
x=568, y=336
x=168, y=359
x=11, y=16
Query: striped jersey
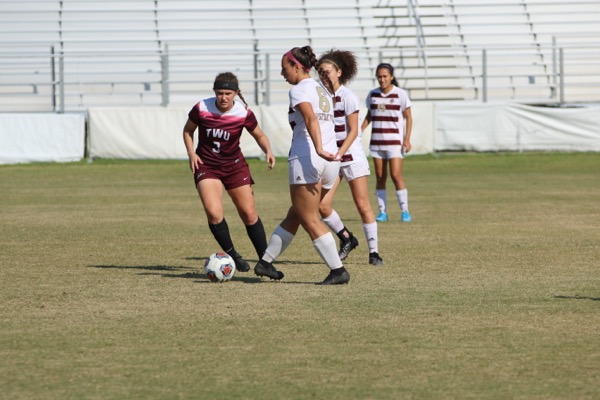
x=219, y=133
x=310, y=91
x=387, y=130
x=347, y=103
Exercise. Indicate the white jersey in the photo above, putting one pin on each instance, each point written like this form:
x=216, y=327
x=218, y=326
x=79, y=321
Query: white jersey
x=347, y=103
x=387, y=118
x=310, y=91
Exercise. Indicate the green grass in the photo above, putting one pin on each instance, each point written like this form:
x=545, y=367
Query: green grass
x=492, y=292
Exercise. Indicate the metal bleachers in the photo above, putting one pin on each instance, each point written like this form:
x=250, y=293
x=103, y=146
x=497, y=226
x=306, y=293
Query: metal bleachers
x=498, y=49
x=73, y=54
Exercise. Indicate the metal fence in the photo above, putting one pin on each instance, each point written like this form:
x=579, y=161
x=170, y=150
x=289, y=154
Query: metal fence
x=55, y=81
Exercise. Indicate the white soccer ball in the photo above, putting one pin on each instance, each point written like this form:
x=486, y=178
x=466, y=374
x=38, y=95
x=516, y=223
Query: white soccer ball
x=219, y=267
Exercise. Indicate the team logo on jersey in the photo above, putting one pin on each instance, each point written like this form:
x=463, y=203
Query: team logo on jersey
x=381, y=107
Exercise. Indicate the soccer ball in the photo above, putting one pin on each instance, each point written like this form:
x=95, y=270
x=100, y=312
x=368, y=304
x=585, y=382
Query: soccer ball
x=219, y=267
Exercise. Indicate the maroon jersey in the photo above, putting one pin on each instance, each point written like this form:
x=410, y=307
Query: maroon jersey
x=219, y=133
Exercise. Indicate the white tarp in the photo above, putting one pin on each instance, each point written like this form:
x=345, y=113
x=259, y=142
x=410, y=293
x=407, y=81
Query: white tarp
x=137, y=133
x=146, y=133
x=156, y=133
x=28, y=138
x=515, y=127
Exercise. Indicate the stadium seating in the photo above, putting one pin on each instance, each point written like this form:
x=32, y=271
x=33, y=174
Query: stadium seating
x=140, y=52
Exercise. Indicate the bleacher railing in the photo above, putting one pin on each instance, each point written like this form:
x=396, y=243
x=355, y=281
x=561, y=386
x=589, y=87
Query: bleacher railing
x=54, y=81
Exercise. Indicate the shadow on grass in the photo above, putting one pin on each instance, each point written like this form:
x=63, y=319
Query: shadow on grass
x=254, y=261
x=577, y=297
x=200, y=277
x=193, y=274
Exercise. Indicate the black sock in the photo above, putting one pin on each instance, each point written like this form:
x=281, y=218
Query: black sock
x=257, y=236
x=344, y=235
x=221, y=233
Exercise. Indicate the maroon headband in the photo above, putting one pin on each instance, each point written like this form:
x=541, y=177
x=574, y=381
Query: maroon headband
x=295, y=60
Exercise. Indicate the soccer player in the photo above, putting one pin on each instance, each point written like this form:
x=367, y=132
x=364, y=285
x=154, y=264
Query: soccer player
x=341, y=66
x=217, y=162
x=312, y=166
x=388, y=107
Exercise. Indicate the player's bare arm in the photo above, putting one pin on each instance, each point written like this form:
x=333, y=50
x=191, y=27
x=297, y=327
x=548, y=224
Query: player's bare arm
x=408, y=118
x=263, y=142
x=188, y=140
x=366, y=121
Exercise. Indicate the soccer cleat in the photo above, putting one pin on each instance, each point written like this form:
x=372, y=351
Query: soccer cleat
x=406, y=216
x=267, y=269
x=240, y=264
x=347, y=246
x=334, y=279
x=382, y=217
x=375, y=259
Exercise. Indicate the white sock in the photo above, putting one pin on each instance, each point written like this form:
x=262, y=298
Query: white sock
x=334, y=222
x=371, y=235
x=402, y=196
x=381, y=199
x=279, y=241
x=326, y=247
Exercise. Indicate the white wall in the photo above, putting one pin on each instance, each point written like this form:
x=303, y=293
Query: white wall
x=515, y=127
x=138, y=133
x=28, y=138
x=155, y=132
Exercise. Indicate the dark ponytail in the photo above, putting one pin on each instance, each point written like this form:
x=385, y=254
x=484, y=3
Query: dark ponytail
x=308, y=59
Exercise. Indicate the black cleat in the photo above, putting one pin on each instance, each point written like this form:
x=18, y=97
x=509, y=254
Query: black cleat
x=241, y=264
x=336, y=279
x=267, y=269
x=347, y=246
x=374, y=259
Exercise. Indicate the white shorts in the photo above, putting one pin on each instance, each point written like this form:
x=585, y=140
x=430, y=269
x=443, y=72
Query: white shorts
x=396, y=152
x=313, y=169
x=355, y=170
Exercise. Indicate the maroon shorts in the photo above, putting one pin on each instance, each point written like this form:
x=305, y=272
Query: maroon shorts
x=232, y=177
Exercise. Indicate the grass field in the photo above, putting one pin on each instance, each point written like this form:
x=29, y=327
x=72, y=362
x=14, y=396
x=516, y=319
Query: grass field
x=492, y=292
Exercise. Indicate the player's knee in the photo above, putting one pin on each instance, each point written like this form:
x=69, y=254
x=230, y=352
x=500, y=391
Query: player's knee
x=325, y=210
x=248, y=217
x=364, y=209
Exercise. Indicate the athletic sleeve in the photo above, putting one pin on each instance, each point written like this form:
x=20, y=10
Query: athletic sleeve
x=297, y=96
x=351, y=103
x=407, y=102
x=194, y=114
x=250, y=123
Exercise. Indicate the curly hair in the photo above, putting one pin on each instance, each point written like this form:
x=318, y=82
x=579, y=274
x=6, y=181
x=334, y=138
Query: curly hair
x=342, y=60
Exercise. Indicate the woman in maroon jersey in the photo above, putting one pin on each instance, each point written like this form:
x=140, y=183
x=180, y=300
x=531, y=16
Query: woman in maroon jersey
x=218, y=162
